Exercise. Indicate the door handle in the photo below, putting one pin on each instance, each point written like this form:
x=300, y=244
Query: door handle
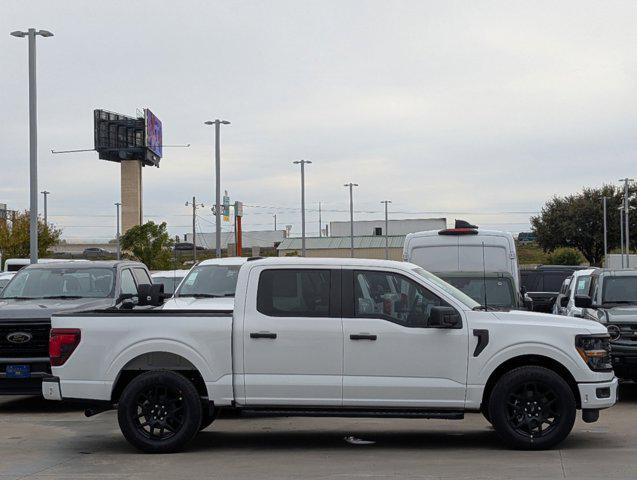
x=263, y=335
x=362, y=336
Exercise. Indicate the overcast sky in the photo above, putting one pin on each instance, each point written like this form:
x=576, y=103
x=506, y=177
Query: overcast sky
x=471, y=109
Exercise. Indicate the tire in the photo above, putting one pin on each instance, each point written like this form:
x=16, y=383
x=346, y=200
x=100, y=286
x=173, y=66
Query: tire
x=159, y=412
x=532, y=408
x=208, y=415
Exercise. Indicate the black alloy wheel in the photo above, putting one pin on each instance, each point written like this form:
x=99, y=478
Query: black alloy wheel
x=160, y=412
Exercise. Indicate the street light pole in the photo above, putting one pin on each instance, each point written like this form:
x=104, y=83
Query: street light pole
x=621, y=232
x=627, y=215
x=194, y=205
x=217, y=123
x=604, y=200
x=119, y=251
x=302, y=163
x=351, y=216
x=386, y=202
x=46, y=213
x=33, y=140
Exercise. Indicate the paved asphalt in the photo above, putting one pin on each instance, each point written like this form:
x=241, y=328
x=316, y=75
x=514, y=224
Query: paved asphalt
x=47, y=440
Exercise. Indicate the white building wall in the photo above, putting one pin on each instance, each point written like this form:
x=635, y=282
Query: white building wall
x=259, y=238
x=396, y=227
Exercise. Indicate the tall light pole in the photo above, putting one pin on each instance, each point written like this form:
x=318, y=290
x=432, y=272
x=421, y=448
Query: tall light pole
x=604, y=200
x=195, y=206
x=217, y=123
x=33, y=140
x=320, y=222
x=386, y=202
x=621, y=231
x=119, y=250
x=351, y=216
x=627, y=181
x=302, y=163
x=46, y=212
x=274, y=221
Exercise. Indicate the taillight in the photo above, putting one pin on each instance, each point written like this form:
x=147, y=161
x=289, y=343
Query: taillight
x=62, y=343
x=458, y=231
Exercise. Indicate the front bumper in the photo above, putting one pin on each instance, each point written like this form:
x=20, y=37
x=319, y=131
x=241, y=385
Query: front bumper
x=51, y=388
x=598, y=395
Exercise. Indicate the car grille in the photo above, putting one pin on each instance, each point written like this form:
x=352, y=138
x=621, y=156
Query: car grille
x=626, y=332
x=37, y=346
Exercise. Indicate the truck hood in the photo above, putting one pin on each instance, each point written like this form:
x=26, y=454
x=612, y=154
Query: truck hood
x=548, y=319
x=43, y=308
x=191, y=303
x=627, y=314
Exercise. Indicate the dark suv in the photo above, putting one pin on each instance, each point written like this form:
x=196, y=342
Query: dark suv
x=38, y=291
x=541, y=285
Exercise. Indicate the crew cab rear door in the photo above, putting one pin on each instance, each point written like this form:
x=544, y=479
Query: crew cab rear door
x=293, y=336
x=391, y=359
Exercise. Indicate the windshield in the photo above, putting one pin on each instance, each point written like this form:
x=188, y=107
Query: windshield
x=3, y=283
x=450, y=289
x=61, y=283
x=621, y=289
x=169, y=283
x=499, y=290
x=210, y=281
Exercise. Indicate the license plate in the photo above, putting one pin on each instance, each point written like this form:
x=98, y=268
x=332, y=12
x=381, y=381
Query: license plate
x=18, y=371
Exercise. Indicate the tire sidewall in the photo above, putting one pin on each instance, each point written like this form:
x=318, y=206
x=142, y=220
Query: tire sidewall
x=498, y=409
x=127, y=411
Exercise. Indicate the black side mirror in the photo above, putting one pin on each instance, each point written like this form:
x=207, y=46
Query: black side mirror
x=150, y=294
x=564, y=302
x=444, y=317
x=583, y=301
x=523, y=290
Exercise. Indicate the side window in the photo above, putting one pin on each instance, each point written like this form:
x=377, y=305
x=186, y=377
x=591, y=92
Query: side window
x=553, y=282
x=128, y=284
x=393, y=297
x=141, y=276
x=294, y=293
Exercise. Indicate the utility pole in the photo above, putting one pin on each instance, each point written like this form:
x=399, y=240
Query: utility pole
x=604, y=200
x=119, y=251
x=351, y=216
x=320, y=227
x=621, y=231
x=386, y=202
x=274, y=221
x=33, y=140
x=217, y=123
x=302, y=163
x=194, y=206
x=627, y=215
x=46, y=213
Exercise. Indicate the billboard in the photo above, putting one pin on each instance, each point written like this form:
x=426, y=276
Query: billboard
x=153, y=133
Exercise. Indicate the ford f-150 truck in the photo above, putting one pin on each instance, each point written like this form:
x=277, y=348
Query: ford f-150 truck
x=334, y=337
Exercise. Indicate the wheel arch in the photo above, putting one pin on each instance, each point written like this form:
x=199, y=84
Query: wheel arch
x=526, y=361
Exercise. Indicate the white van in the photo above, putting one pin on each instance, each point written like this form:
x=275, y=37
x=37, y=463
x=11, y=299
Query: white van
x=470, y=259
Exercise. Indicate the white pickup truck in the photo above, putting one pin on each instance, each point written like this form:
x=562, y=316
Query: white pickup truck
x=334, y=337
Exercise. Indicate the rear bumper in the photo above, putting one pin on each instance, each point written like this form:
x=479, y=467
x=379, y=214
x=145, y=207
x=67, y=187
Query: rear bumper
x=598, y=395
x=50, y=388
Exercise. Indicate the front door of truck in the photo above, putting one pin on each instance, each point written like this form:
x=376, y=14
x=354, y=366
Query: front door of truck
x=293, y=337
x=391, y=359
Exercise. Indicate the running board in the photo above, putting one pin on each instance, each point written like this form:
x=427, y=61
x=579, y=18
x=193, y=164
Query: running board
x=352, y=412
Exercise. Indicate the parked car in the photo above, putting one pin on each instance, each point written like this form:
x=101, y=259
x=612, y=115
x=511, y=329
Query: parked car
x=209, y=285
x=612, y=301
x=334, y=337
x=38, y=291
x=185, y=246
x=481, y=263
x=4, y=279
x=541, y=285
x=170, y=279
x=95, y=252
x=577, y=284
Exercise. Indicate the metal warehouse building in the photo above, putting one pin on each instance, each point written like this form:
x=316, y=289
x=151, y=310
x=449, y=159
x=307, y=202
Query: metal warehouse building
x=363, y=228
x=364, y=247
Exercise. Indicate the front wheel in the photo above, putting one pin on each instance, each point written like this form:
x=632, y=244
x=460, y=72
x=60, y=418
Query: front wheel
x=532, y=408
x=159, y=412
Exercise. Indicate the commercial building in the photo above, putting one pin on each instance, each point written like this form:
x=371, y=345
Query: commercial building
x=364, y=228
x=335, y=247
x=257, y=238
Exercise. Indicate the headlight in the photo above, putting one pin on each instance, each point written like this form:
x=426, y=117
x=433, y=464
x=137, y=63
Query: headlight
x=595, y=351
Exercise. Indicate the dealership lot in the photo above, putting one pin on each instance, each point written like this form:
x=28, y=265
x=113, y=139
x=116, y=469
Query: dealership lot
x=47, y=440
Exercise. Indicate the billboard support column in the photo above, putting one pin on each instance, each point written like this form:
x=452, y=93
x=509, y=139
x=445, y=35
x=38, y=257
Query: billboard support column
x=131, y=185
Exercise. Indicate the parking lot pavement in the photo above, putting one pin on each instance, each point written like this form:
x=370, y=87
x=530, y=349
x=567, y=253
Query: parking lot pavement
x=47, y=440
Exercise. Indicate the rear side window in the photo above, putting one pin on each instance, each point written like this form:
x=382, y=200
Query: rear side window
x=294, y=293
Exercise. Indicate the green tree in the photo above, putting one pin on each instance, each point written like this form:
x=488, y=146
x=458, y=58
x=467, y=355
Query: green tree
x=15, y=237
x=576, y=221
x=149, y=243
x=565, y=256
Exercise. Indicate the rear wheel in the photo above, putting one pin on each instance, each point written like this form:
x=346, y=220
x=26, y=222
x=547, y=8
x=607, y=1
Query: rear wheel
x=159, y=412
x=532, y=408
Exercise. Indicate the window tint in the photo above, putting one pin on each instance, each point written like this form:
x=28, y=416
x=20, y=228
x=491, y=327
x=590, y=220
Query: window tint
x=141, y=276
x=294, y=293
x=392, y=297
x=128, y=284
